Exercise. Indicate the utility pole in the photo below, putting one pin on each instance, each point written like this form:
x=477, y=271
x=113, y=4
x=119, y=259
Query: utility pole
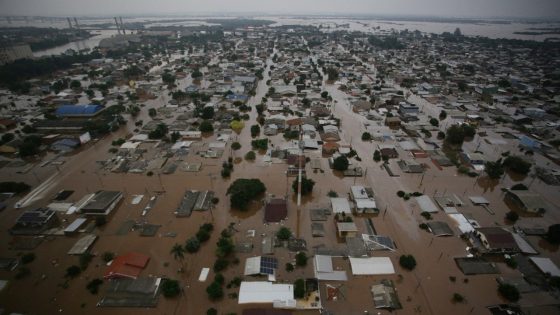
x=299, y=180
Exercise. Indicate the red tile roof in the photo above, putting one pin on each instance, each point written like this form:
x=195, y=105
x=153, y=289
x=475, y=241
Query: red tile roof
x=275, y=210
x=127, y=266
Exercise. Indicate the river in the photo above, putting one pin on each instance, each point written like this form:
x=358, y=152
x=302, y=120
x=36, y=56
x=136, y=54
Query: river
x=89, y=43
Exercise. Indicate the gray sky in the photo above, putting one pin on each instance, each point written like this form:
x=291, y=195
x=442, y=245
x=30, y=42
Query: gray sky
x=447, y=8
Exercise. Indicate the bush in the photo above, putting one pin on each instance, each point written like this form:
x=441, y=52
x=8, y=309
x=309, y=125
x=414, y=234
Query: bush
x=202, y=235
x=509, y=292
x=301, y=259
x=407, y=262
x=423, y=226
x=236, y=146
x=426, y=215
x=366, y=136
x=170, y=288
x=93, y=285
x=512, y=216
x=206, y=126
x=511, y=262
x=192, y=245
x=377, y=156
x=260, y=144
x=220, y=264
x=255, y=130
x=212, y=311
x=284, y=234
x=517, y=164
x=332, y=194
x=400, y=193
x=14, y=187
x=289, y=267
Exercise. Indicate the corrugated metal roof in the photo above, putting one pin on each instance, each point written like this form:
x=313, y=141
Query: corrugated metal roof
x=75, y=110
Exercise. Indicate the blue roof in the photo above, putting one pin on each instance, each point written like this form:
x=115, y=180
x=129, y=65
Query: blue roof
x=75, y=110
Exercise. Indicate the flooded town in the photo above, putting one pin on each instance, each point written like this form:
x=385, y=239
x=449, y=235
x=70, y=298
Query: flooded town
x=275, y=164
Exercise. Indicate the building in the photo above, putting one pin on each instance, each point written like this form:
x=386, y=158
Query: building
x=385, y=295
x=35, y=221
x=129, y=265
x=476, y=160
x=406, y=109
x=261, y=265
x=10, y=54
x=275, y=210
x=363, y=199
x=393, y=122
x=266, y=292
x=346, y=229
x=527, y=201
x=79, y=110
x=496, y=240
x=102, y=203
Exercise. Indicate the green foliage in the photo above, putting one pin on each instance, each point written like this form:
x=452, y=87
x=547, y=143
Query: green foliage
x=85, y=259
x=512, y=216
x=553, y=234
x=255, y=130
x=301, y=259
x=426, y=215
x=152, y=112
x=159, y=132
x=517, y=164
x=385, y=42
x=366, y=136
x=377, y=156
x=250, y=156
x=340, y=163
x=332, y=74
x=225, y=247
x=207, y=112
x=196, y=74
x=289, y=267
x=242, y=191
x=407, y=262
x=509, y=292
x=30, y=146
x=494, y=170
x=14, y=187
x=291, y=134
x=93, y=285
x=260, y=144
x=168, y=78
x=212, y=311
x=108, y=256
x=236, y=146
x=192, y=245
x=215, y=291
x=332, y=194
x=306, y=185
x=442, y=115
x=299, y=289
x=457, y=298
x=27, y=258
x=400, y=193
x=170, y=288
x=206, y=126
x=519, y=187
x=73, y=271
x=434, y=122
x=284, y=234
x=178, y=252
x=511, y=262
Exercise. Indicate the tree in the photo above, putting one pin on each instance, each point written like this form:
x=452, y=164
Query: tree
x=14, y=187
x=152, y=112
x=494, y=170
x=206, y=126
x=159, y=132
x=27, y=258
x=366, y=136
x=93, y=285
x=284, y=234
x=215, y=291
x=108, y=256
x=236, y=146
x=332, y=74
x=73, y=271
x=306, y=185
x=192, y=245
x=212, y=311
x=299, y=289
x=340, y=163
x=301, y=259
x=509, y=292
x=255, y=130
x=512, y=216
x=442, y=115
x=196, y=74
x=168, y=78
x=75, y=84
x=457, y=298
x=553, y=234
x=434, y=122
x=517, y=164
x=324, y=94
x=242, y=191
x=250, y=156
x=407, y=262
x=207, y=112
x=377, y=156
x=178, y=252
x=170, y=288
x=455, y=135
x=260, y=144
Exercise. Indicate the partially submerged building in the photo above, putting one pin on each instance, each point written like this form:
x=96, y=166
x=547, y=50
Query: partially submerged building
x=102, y=203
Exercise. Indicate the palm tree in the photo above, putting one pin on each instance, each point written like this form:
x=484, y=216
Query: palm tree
x=178, y=253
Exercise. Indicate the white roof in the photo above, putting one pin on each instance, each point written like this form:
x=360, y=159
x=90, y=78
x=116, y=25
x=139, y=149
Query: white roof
x=340, y=205
x=324, y=269
x=181, y=144
x=203, y=274
x=372, y=266
x=546, y=265
x=253, y=266
x=75, y=225
x=479, y=200
x=82, y=245
x=217, y=145
x=130, y=145
x=139, y=137
x=365, y=204
x=462, y=223
x=359, y=192
x=264, y=292
x=426, y=204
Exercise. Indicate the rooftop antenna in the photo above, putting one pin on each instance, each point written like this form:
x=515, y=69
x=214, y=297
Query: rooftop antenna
x=118, y=28
x=122, y=25
x=69, y=22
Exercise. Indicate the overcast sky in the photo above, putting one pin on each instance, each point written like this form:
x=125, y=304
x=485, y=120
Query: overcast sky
x=447, y=8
